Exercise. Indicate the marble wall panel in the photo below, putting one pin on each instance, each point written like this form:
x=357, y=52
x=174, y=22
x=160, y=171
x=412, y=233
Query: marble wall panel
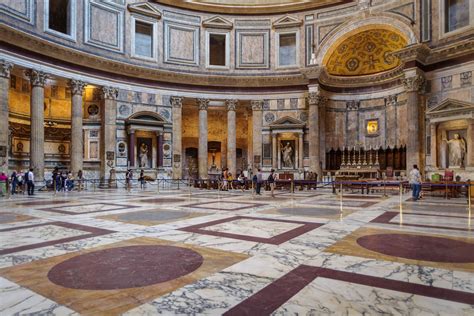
x=253, y=47
x=181, y=43
x=104, y=25
x=20, y=9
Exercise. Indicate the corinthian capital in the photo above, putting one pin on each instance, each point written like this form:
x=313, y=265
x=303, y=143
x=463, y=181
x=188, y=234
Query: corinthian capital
x=231, y=104
x=415, y=84
x=257, y=105
x=37, y=78
x=110, y=93
x=203, y=104
x=176, y=102
x=5, y=68
x=77, y=86
x=315, y=98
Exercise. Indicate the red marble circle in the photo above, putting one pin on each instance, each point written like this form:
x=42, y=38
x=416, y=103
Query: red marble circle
x=426, y=248
x=125, y=267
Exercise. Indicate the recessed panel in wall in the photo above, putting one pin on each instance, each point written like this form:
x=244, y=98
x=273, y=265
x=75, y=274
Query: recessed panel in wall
x=181, y=44
x=19, y=9
x=253, y=49
x=104, y=25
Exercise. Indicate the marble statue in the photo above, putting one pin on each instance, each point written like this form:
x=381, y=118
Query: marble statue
x=457, y=151
x=143, y=155
x=287, y=155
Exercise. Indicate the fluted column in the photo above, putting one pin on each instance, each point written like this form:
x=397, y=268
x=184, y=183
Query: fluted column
x=470, y=144
x=108, y=133
x=202, y=151
x=231, y=136
x=177, y=105
x=315, y=101
x=274, y=151
x=300, y=151
x=434, y=149
x=414, y=83
x=5, y=69
x=257, y=107
x=37, y=80
x=77, y=139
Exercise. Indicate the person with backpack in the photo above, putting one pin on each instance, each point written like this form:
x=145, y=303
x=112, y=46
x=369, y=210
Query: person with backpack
x=259, y=181
x=271, y=181
x=30, y=182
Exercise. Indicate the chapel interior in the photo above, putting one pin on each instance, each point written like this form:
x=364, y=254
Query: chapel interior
x=340, y=98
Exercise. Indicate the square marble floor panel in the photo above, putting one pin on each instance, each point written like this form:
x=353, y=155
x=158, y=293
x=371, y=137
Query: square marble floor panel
x=87, y=208
x=41, y=235
x=438, y=251
x=224, y=206
x=263, y=230
x=152, y=217
x=115, y=278
x=337, y=202
x=306, y=211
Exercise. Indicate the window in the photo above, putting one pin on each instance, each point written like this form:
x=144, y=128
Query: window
x=59, y=18
x=457, y=15
x=217, y=50
x=287, y=49
x=143, y=39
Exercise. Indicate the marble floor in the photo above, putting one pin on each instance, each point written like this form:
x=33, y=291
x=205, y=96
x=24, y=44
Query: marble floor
x=231, y=253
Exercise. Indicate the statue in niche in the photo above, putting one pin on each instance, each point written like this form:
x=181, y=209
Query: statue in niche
x=287, y=155
x=143, y=155
x=457, y=151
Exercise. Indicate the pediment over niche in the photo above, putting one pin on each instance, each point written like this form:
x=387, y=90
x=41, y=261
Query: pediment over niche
x=145, y=119
x=145, y=8
x=286, y=22
x=287, y=122
x=218, y=22
x=451, y=109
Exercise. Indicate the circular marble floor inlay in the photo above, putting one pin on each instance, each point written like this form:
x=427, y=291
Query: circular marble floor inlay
x=125, y=267
x=436, y=249
x=158, y=215
x=309, y=211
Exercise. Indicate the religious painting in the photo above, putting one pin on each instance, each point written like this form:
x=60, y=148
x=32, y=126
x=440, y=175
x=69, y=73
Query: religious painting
x=287, y=153
x=372, y=127
x=144, y=152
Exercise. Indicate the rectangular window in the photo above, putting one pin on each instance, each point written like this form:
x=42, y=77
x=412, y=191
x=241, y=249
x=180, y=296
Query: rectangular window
x=456, y=14
x=143, y=39
x=217, y=50
x=287, y=50
x=59, y=16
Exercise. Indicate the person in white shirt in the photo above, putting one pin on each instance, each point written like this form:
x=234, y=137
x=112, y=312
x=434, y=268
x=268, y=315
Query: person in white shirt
x=415, y=181
x=31, y=182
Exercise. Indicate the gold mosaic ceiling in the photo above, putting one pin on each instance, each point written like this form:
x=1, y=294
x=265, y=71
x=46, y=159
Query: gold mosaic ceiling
x=251, y=6
x=365, y=53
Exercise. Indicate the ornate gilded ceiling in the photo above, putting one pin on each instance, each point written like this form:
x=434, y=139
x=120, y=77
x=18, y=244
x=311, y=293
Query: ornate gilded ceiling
x=365, y=53
x=251, y=6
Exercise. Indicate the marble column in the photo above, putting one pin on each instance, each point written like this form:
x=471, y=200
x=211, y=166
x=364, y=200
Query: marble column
x=433, y=145
x=202, y=150
x=257, y=107
x=315, y=101
x=37, y=80
x=108, y=139
x=231, y=136
x=177, y=105
x=159, y=151
x=131, y=148
x=77, y=138
x=300, y=151
x=5, y=69
x=414, y=83
x=470, y=144
x=274, y=151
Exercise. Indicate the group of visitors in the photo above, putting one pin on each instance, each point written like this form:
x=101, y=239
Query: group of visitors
x=228, y=180
x=129, y=179
x=63, y=181
x=258, y=181
x=18, y=182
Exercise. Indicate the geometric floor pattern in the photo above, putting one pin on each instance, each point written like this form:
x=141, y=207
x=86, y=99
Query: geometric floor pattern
x=232, y=253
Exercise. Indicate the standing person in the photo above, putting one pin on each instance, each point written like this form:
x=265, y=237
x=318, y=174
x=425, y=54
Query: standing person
x=79, y=180
x=54, y=177
x=3, y=184
x=241, y=180
x=63, y=181
x=225, y=178
x=14, y=180
x=142, y=179
x=128, y=179
x=30, y=182
x=271, y=181
x=259, y=181
x=415, y=181
x=230, y=180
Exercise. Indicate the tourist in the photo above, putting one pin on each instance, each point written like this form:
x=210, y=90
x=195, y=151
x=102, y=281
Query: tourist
x=259, y=181
x=241, y=179
x=20, y=183
x=30, y=182
x=63, y=181
x=69, y=181
x=225, y=177
x=54, y=177
x=3, y=183
x=142, y=179
x=415, y=181
x=271, y=181
x=128, y=179
x=230, y=181
x=80, y=178
x=14, y=181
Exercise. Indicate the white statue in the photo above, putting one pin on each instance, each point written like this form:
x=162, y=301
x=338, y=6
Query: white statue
x=287, y=153
x=143, y=155
x=457, y=151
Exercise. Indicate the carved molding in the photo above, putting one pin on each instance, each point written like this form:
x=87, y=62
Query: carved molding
x=257, y=105
x=415, y=83
x=287, y=21
x=145, y=8
x=231, y=104
x=218, y=22
x=415, y=52
x=362, y=81
x=37, y=78
x=353, y=105
x=176, y=102
x=315, y=98
x=391, y=100
x=203, y=104
x=5, y=69
x=77, y=86
x=110, y=93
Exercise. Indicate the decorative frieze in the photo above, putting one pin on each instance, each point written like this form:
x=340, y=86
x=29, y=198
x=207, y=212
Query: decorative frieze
x=176, y=102
x=466, y=78
x=315, y=98
x=203, y=104
x=353, y=105
x=77, y=86
x=110, y=93
x=257, y=105
x=5, y=69
x=447, y=82
x=391, y=100
x=37, y=78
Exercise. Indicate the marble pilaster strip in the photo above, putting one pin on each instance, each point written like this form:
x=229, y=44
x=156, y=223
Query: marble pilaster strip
x=77, y=138
x=202, y=150
x=177, y=105
x=231, y=136
x=5, y=69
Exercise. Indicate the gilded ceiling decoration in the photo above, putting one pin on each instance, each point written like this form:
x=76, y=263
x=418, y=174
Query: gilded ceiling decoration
x=251, y=6
x=365, y=53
